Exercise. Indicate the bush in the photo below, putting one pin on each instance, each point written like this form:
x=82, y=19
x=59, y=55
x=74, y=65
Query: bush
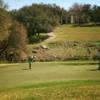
x=37, y=39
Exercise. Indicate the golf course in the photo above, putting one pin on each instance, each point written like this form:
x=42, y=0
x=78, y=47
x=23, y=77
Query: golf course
x=49, y=50
x=55, y=80
x=50, y=81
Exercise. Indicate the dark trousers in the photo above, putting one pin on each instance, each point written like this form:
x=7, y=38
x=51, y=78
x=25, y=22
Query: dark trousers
x=29, y=66
x=99, y=65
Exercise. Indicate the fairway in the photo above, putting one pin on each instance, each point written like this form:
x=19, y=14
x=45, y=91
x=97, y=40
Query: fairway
x=16, y=75
x=49, y=51
x=55, y=80
x=71, y=33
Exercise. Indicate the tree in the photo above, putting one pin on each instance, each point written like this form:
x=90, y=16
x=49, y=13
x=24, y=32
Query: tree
x=17, y=39
x=76, y=12
x=5, y=23
x=13, y=35
x=86, y=13
x=95, y=17
x=40, y=18
x=3, y=5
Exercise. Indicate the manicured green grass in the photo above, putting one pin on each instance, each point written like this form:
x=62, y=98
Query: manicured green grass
x=20, y=74
x=46, y=71
x=78, y=80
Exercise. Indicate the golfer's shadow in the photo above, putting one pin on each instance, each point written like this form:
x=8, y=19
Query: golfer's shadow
x=25, y=68
x=94, y=69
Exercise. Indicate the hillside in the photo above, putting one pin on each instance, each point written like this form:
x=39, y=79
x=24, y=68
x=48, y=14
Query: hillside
x=69, y=32
x=70, y=42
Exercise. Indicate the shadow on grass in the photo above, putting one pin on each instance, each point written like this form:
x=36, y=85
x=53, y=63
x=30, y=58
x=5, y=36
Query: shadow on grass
x=80, y=64
x=85, y=25
x=25, y=68
x=94, y=69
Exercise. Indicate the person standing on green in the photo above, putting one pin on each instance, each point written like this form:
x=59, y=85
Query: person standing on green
x=30, y=62
x=99, y=58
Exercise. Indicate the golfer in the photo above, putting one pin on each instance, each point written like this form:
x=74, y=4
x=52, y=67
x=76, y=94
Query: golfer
x=30, y=62
x=99, y=58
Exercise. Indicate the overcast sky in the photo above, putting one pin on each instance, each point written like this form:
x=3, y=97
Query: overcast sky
x=16, y=4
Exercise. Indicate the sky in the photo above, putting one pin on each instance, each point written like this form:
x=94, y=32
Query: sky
x=16, y=4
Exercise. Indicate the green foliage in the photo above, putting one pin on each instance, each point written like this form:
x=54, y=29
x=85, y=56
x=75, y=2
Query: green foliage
x=40, y=18
x=95, y=16
x=38, y=39
x=85, y=13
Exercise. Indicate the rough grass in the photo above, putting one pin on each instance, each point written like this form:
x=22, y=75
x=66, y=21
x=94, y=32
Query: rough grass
x=73, y=90
x=71, y=42
x=68, y=50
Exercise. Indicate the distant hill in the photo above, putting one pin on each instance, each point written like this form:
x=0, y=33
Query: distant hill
x=70, y=43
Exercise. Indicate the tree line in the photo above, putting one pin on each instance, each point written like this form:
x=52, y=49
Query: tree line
x=13, y=36
x=43, y=18
x=80, y=14
x=40, y=18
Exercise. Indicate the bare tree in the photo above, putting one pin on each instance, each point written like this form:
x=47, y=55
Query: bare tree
x=75, y=11
x=3, y=5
